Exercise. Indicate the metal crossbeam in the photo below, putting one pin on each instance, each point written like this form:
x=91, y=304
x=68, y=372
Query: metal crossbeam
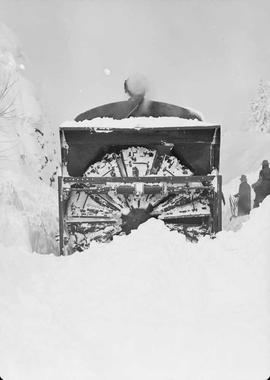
x=152, y=179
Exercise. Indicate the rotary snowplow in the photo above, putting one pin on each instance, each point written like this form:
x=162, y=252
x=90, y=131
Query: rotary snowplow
x=126, y=162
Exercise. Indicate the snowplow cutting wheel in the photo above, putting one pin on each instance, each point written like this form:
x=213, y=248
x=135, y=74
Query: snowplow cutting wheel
x=136, y=163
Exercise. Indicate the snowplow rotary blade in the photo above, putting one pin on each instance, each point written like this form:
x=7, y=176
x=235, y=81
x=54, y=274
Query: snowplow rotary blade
x=90, y=213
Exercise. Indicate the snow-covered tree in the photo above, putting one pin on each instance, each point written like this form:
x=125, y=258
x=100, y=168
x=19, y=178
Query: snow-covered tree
x=28, y=205
x=25, y=136
x=260, y=108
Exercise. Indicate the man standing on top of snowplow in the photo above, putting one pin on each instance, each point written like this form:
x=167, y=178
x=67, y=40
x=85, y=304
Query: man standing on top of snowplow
x=262, y=186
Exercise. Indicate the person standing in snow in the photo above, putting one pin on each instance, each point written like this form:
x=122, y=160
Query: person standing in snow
x=244, y=197
x=262, y=186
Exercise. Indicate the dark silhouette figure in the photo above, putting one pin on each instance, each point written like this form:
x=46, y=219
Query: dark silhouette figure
x=244, y=197
x=262, y=186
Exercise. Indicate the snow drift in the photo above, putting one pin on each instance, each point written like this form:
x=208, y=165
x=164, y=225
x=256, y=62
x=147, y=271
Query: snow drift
x=28, y=216
x=149, y=305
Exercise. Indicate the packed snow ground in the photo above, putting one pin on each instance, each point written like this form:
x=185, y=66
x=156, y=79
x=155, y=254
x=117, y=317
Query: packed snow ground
x=146, y=306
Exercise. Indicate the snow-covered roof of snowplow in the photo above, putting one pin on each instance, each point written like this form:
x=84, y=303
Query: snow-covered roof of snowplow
x=107, y=123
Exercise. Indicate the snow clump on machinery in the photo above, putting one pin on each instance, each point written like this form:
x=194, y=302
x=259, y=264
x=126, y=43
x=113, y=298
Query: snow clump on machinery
x=126, y=162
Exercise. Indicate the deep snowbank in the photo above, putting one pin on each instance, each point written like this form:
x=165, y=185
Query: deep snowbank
x=148, y=305
x=29, y=211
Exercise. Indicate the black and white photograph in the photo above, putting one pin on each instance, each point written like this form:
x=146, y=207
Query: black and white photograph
x=134, y=190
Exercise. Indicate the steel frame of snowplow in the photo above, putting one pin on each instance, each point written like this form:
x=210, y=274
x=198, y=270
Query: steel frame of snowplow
x=63, y=193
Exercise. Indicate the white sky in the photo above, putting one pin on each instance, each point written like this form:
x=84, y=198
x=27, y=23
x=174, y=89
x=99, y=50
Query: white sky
x=209, y=55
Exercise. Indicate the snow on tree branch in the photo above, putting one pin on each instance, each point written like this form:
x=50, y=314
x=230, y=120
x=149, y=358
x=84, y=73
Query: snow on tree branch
x=7, y=93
